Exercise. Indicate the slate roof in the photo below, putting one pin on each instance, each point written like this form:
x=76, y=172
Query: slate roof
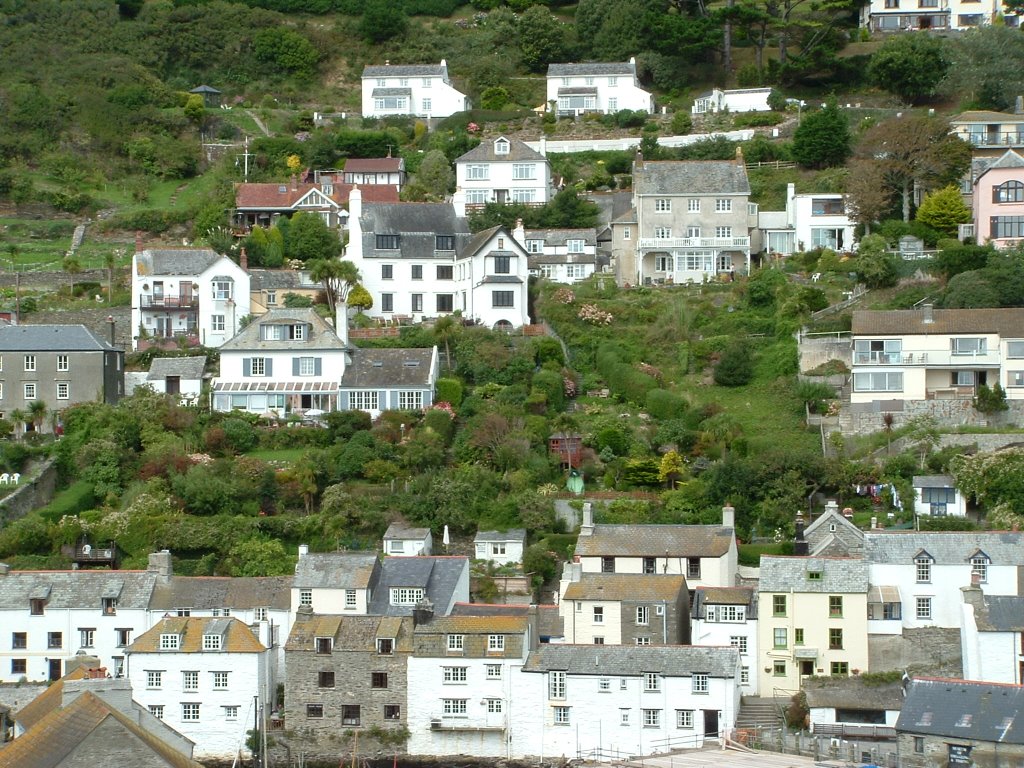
x=319, y=336
x=373, y=165
x=387, y=368
x=655, y=541
x=176, y=261
x=852, y=693
x=237, y=636
x=406, y=70
x=203, y=593
x=382, y=92
x=438, y=576
x=396, y=531
x=335, y=570
x=592, y=68
x=58, y=735
x=633, y=661
x=518, y=151
x=933, y=481
x=964, y=710
x=480, y=239
x=1003, y=613
x=549, y=621
x=283, y=197
x=282, y=279
x=417, y=223
x=185, y=367
x=986, y=116
x=350, y=633
x=514, y=534
x=946, y=547
x=907, y=322
x=474, y=625
x=703, y=596
x=836, y=518
x=625, y=587
x=838, y=574
x=76, y=589
x=204, y=89
x=1009, y=159
x=563, y=236
x=691, y=177
x=50, y=338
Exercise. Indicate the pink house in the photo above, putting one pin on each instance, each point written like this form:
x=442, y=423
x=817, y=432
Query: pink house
x=999, y=202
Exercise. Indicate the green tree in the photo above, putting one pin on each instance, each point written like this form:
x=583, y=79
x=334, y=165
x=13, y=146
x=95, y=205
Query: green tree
x=309, y=238
x=951, y=262
x=986, y=66
x=736, y=365
x=445, y=328
x=259, y=557
x=944, y=210
x=37, y=413
x=360, y=299
x=195, y=109
x=876, y=267
x=435, y=175
x=671, y=469
x=382, y=20
x=73, y=266
x=286, y=49
x=541, y=38
x=339, y=277
x=910, y=65
x=970, y=290
x=822, y=140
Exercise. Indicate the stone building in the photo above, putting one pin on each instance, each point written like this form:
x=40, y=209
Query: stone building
x=347, y=674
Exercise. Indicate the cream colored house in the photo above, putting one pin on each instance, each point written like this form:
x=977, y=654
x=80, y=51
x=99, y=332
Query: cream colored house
x=812, y=620
x=936, y=354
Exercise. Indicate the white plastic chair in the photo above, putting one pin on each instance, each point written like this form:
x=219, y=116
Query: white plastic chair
x=4, y=478
x=15, y=478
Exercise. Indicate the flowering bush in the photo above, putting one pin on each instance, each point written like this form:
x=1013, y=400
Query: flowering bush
x=651, y=371
x=590, y=313
x=473, y=128
x=443, y=406
x=548, y=489
x=564, y=296
x=570, y=386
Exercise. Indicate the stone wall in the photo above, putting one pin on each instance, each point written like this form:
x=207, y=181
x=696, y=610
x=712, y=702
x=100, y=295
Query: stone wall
x=935, y=752
x=864, y=418
x=30, y=494
x=932, y=651
x=815, y=351
x=17, y=695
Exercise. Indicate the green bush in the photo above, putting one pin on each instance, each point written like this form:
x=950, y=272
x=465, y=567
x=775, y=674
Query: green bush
x=449, y=391
x=757, y=119
x=736, y=366
x=682, y=123
x=551, y=384
x=240, y=435
x=664, y=405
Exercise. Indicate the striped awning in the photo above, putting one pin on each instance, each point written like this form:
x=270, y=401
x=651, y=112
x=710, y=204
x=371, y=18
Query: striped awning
x=884, y=595
x=286, y=387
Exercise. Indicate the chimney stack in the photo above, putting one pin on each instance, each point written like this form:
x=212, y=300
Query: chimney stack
x=587, y=528
x=929, y=316
x=243, y=260
x=519, y=233
x=874, y=523
x=355, y=205
x=161, y=564
x=138, y=242
x=341, y=321
x=800, y=547
x=295, y=183
x=728, y=516
x=423, y=612
x=831, y=506
x=110, y=319
x=1018, y=106
x=739, y=157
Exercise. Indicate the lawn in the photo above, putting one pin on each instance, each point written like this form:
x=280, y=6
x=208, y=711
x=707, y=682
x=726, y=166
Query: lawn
x=279, y=456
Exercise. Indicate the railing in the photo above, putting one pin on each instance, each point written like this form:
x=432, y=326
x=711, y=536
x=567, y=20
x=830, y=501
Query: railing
x=660, y=243
x=1001, y=139
x=927, y=357
x=152, y=301
x=169, y=342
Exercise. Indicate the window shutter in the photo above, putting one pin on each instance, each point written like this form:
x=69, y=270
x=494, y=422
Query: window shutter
x=247, y=366
x=295, y=366
x=268, y=366
x=318, y=366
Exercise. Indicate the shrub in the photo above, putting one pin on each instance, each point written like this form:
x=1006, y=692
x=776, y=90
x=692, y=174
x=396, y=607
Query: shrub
x=757, y=119
x=449, y=391
x=736, y=366
x=664, y=405
x=239, y=434
x=551, y=384
x=682, y=123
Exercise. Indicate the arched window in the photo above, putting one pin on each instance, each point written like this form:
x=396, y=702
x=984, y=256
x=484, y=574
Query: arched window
x=1009, y=192
x=503, y=325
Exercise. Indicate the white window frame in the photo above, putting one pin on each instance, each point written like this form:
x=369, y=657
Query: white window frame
x=454, y=707
x=220, y=681
x=556, y=685
x=524, y=171
x=652, y=682
x=63, y=390
x=217, y=323
x=30, y=363
x=190, y=680
x=154, y=679
x=923, y=608
x=456, y=643
x=63, y=363
x=663, y=204
x=211, y=642
x=643, y=615
x=684, y=719
x=30, y=390
x=693, y=205
x=651, y=718
x=405, y=595
x=190, y=712
x=699, y=682
x=495, y=643
x=454, y=675
x=170, y=642
x=560, y=715
x=493, y=671
x=723, y=205
x=410, y=400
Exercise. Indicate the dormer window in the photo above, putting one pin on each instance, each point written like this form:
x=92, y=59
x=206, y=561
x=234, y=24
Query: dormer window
x=324, y=645
x=979, y=565
x=170, y=642
x=283, y=332
x=37, y=606
x=222, y=289
x=406, y=595
x=385, y=646
x=109, y=605
x=501, y=147
x=443, y=243
x=387, y=242
x=923, y=567
x=211, y=642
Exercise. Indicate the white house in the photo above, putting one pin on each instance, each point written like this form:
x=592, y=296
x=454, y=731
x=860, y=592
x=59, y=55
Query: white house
x=502, y=171
x=936, y=354
x=182, y=376
x=500, y=547
x=937, y=496
x=461, y=681
x=705, y=554
x=334, y=582
x=375, y=170
x=608, y=703
x=51, y=616
x=737, y=100
x=810, y=221
x=897, y=16
x=400, y=541
x=285, y=361
x=608, y=87
x=562, y=255
x=991, y=635
x=419, y=260
x=378, y=380
x=202, y=676
x=728, y=616
x=923, y=572
x=424, y=90
x=194, y=294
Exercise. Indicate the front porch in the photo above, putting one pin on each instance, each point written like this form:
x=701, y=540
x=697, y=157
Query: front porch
x=278, y=399
x=658, y=267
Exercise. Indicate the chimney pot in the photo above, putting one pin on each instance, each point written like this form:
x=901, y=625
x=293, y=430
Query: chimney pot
x=243, y=260
x=728, y=516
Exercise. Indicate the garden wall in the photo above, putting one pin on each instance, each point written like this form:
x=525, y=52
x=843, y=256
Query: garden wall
x=31, y=494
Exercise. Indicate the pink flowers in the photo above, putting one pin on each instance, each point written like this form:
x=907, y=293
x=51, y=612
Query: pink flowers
x=473, y=128
x=590, y=313
x=443, y=406
x=564, y=296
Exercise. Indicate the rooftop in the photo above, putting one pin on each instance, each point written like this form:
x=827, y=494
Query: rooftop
x=320, y=335
x=236, y=636
x=625, y=587
x=406, y=70
x=945, y=547
x=835, y=574
x=50, y=338
x=905, y=322
x=184, y=367
x=627, y=68
x=633, y=661
x=335, y=570
x=691, y=177
x=439, y=577
x=964, y=710
x=656, y=541
x=369, y=368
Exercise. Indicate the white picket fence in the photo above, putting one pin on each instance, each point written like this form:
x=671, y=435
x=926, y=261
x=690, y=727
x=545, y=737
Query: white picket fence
x=632, y=142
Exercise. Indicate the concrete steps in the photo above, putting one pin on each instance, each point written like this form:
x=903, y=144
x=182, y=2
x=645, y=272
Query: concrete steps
x=758, y=712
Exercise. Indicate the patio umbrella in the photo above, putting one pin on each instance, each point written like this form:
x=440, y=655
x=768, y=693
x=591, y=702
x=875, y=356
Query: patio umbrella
x=446, y=539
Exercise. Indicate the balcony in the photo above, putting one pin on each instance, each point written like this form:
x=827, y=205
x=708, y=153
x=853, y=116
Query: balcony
x=165, y=301
x=464, y=724
x=929, y=358
x=997, y=139
x=672, y=243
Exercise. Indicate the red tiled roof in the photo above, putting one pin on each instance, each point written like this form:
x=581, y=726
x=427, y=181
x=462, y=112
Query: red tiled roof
x=271, y=196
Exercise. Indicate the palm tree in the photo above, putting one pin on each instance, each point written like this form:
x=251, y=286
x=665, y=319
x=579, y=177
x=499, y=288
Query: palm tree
x=339, y=277
x=37, y=413
x=18, y=416
x=110, y=261
x=723, y=429
x=444, y=329
x=72, y=266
